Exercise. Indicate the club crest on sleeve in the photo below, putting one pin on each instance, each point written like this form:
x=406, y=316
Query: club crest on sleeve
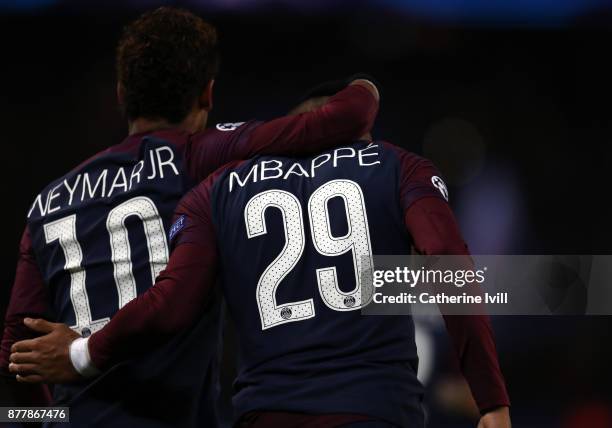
x=230, y=126
x=178, y=225
x=439, y=184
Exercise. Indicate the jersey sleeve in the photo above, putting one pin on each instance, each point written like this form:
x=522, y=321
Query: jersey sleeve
x=29, y=298
x=179, y=295
x=344, y=117
x=434, y=231
x=418, y=178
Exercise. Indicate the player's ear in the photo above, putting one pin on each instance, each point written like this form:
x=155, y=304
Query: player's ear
x=120, y=93
x=206, y=99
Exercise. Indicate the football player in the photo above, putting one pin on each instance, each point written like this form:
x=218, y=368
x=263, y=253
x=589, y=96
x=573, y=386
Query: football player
x=97, y=236
x=289, y=238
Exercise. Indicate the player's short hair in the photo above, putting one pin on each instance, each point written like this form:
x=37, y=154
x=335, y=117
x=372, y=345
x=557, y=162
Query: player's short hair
x=316, y=96
x=165, y=59
x=307, y=105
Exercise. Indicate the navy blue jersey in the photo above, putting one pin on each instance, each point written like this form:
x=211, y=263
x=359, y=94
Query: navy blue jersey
x=99, y=235
x=99, y=232
x=294, y=238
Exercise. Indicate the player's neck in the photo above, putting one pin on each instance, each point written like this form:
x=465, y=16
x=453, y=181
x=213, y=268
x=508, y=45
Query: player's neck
x=191, y=124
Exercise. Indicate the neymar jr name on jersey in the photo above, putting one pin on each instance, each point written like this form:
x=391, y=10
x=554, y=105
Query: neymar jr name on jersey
x=156, y=163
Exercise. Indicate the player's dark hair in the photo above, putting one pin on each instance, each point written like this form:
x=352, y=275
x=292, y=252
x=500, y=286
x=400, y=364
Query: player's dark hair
x=165, y=59
x=317, y=96
x=331, y=87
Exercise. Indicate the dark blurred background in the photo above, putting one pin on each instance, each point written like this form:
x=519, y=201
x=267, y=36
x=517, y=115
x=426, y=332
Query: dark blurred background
x=510, y=99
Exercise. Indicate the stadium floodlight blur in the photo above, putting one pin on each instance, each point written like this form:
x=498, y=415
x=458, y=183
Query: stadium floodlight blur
x=524, y=12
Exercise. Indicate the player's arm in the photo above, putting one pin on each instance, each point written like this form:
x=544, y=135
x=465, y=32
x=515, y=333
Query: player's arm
x=174, y=303
x=346, y=116
x=434, y=230
x=29, y=298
